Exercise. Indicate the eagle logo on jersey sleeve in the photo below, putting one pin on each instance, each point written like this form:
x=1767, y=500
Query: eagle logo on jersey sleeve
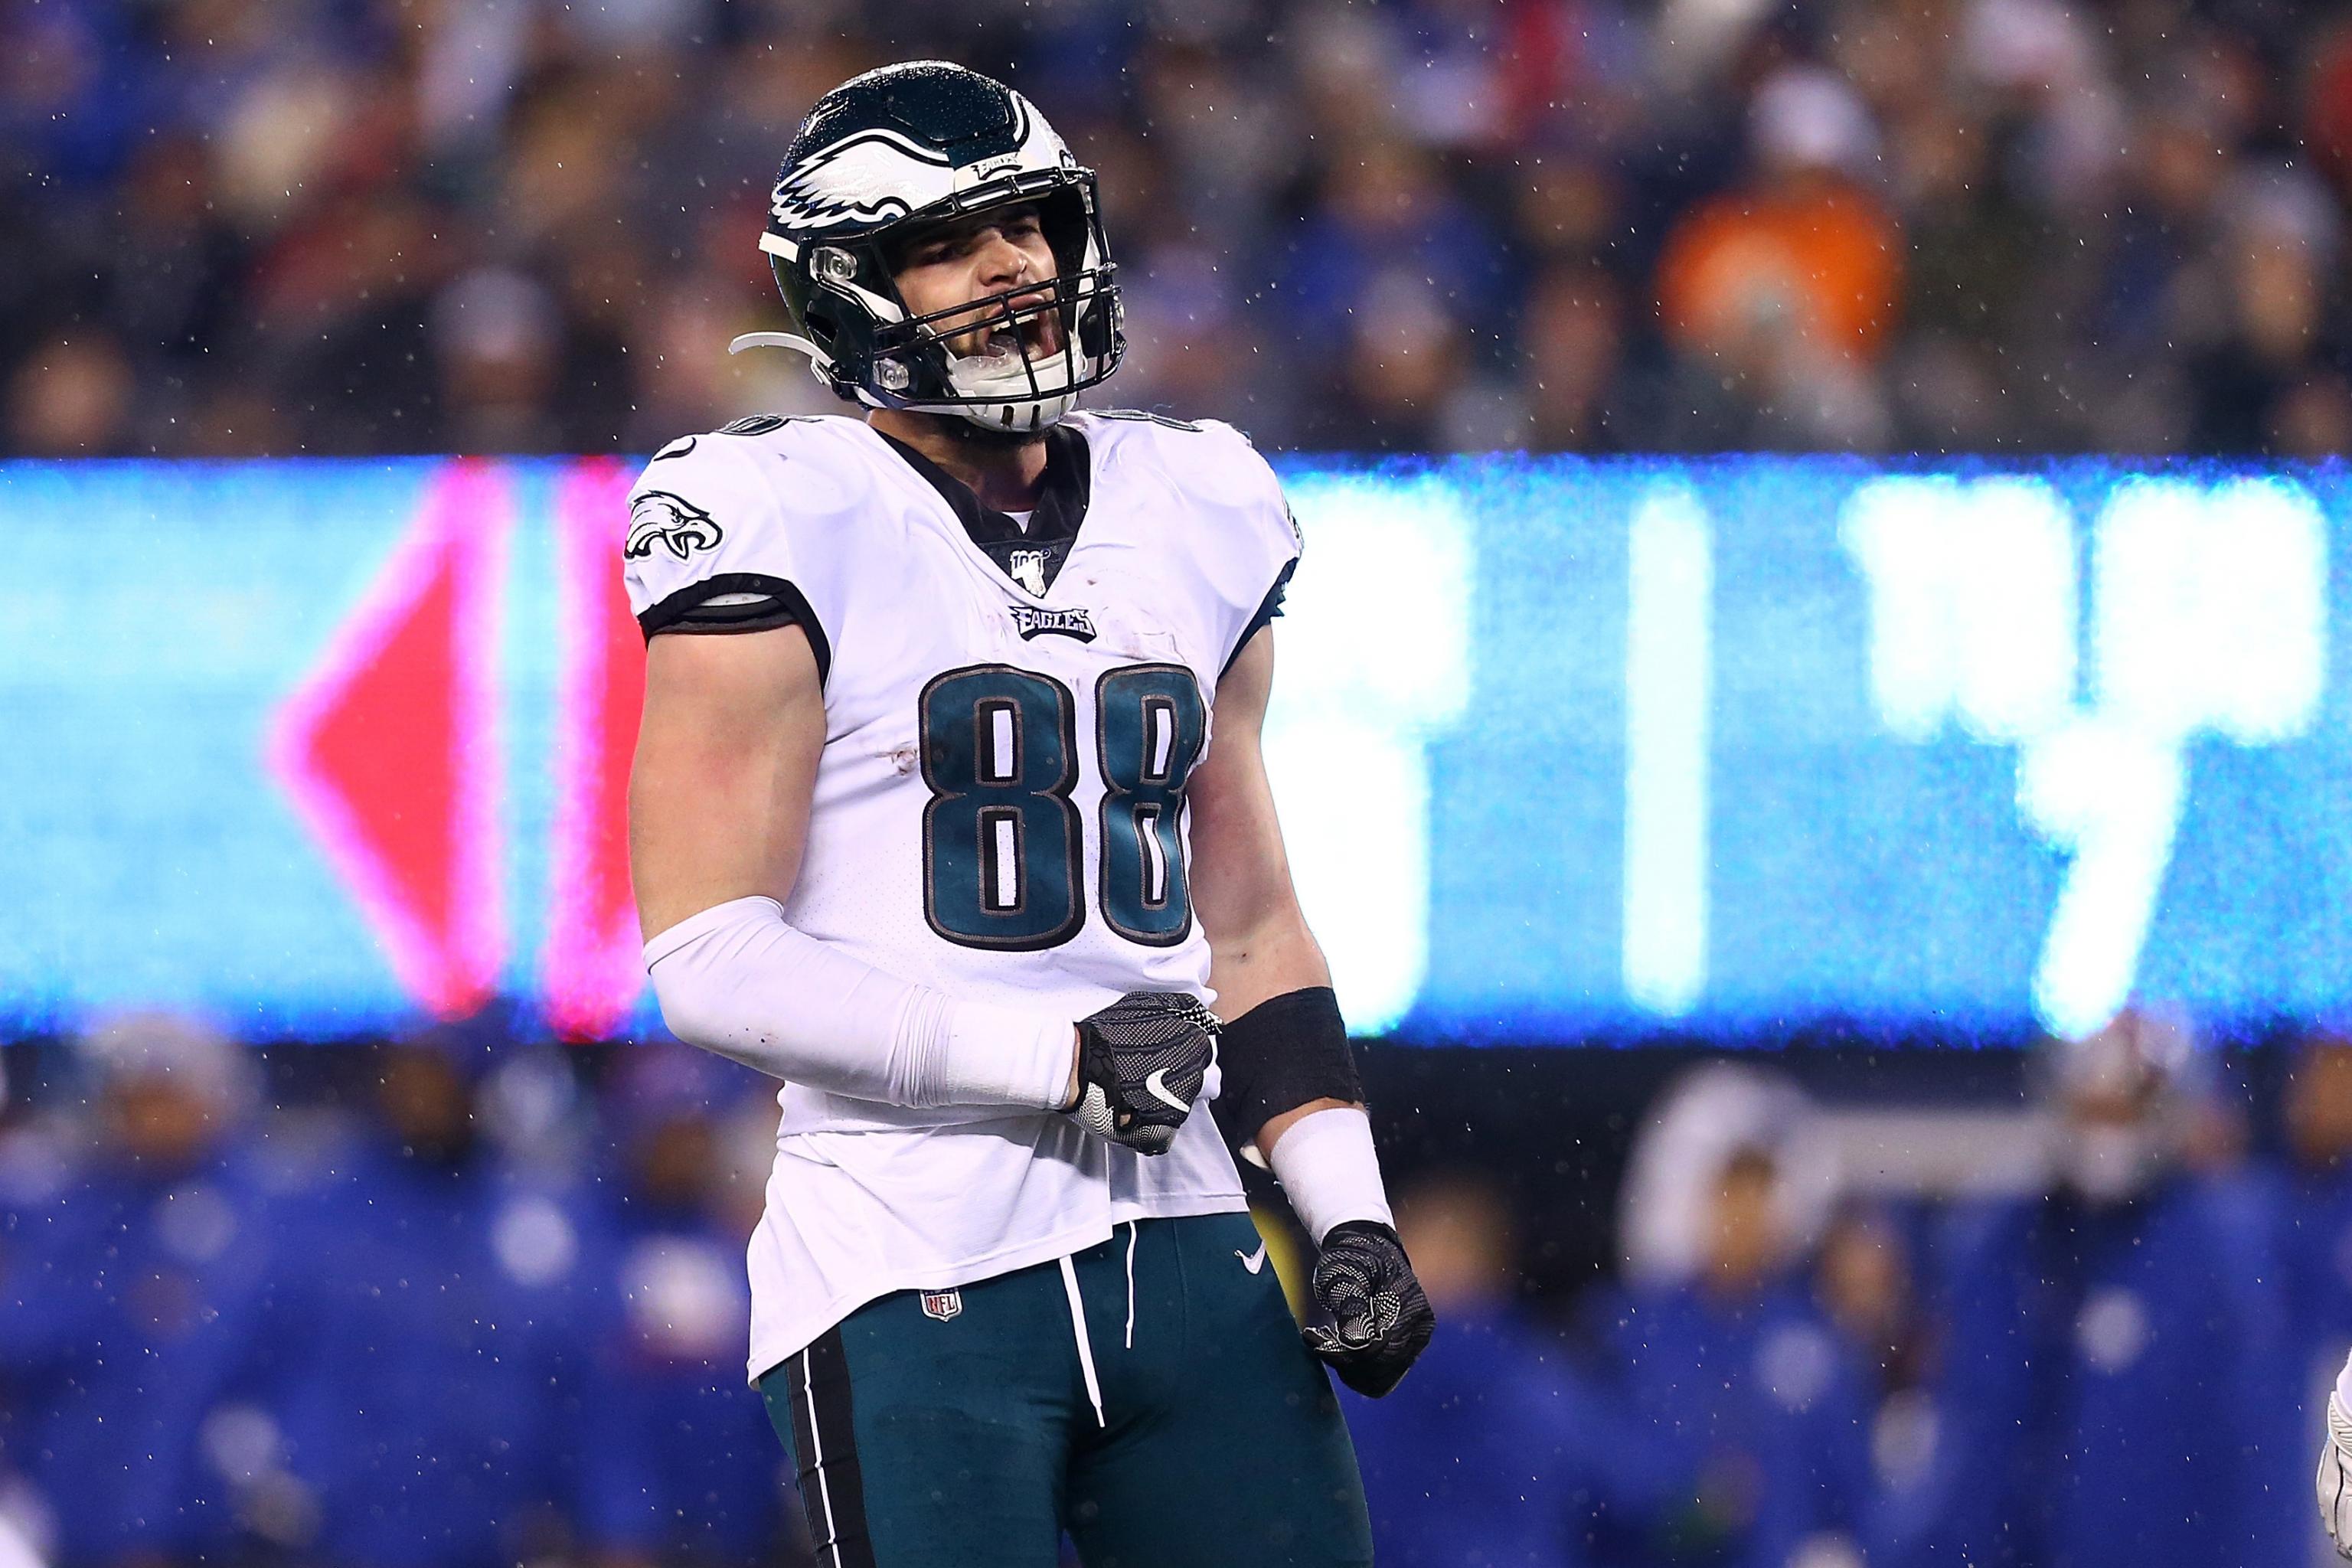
x=659, y=518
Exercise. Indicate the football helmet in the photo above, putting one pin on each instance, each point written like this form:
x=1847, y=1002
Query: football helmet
x=906, y=146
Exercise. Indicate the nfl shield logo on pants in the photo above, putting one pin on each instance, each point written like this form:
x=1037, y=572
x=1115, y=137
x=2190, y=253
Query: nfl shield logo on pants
x=942, y=1305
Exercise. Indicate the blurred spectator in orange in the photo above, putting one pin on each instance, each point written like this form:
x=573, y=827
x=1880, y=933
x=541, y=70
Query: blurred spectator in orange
x=1790, y=283
x=2318, y=1112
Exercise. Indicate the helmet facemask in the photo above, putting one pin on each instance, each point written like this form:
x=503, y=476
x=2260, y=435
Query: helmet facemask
x=1010, y=382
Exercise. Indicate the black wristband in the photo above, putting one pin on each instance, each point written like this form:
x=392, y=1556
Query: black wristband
x=1284, y=1053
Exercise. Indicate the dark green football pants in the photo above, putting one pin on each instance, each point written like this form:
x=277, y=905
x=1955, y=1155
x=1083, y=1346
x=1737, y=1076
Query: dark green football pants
x=958, y=1428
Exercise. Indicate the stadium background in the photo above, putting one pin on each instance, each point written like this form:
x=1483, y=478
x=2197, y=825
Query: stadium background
x=1817, y=1260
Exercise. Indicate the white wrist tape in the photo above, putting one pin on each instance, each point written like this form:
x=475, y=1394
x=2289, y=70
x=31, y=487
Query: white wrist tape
x=1329, y=1171
x=737, y=980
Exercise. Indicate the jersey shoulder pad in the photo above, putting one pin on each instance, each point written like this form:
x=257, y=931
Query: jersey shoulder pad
x=1207, y=461
x=727, y=528
x=1261, y=536
x=1236, y=537
x=1253, y=474
x=1229, y=472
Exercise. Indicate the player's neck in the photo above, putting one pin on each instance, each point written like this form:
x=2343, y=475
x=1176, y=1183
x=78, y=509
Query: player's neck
x=1005, y=474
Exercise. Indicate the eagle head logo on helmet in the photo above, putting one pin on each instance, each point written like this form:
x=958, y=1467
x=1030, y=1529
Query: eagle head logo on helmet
x=910, y=145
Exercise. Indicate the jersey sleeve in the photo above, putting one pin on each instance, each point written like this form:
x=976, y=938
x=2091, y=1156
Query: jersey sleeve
x=708, y=548
x=1265, y=543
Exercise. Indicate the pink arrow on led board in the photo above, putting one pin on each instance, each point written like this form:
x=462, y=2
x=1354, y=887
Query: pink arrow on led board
x=388, y=749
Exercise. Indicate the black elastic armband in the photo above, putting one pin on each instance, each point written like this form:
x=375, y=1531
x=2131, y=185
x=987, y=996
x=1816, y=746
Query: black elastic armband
x=1284, y=1053
x=738, y=602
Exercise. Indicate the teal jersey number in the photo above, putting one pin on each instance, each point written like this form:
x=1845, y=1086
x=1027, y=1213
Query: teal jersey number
x=1149, y=724
x=1001, y=839
x=1002, y=836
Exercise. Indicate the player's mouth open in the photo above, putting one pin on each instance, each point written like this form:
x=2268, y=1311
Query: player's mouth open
x=1038, y=336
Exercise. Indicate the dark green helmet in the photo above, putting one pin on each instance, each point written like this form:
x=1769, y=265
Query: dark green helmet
x=904, y=147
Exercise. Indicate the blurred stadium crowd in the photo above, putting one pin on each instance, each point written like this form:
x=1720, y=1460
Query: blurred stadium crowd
x=461, y=1303
x=368, y=226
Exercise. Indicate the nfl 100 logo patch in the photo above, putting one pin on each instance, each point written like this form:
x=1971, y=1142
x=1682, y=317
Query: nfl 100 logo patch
x=942, y=1305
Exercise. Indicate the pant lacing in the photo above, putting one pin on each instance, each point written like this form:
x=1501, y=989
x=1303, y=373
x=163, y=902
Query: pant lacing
x=1078, y=1322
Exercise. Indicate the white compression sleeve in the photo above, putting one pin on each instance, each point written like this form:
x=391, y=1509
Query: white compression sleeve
x=1329, y=1171
x=738, y=981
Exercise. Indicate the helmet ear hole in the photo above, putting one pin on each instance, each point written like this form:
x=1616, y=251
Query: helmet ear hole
x=817, y=324
x=1062, y=215
x=1099, y=324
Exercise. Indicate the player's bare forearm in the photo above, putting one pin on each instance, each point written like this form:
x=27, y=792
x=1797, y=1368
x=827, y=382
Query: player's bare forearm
x=1279, y=956
x=1248, y=964
x=725, y=769
x=1259, y=945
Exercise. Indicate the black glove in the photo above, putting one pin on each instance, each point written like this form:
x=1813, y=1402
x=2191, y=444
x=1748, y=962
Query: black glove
x=1142, y=1062
x=1369, y=1317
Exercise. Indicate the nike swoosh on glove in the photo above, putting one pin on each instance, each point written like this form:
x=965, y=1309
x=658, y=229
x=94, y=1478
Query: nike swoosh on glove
x=1142, y=1063
x=2336, y=1475
x=1369, y=1319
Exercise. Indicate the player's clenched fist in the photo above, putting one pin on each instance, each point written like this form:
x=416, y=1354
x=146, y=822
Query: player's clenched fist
x=1369, y=1319
x=1142, y=1063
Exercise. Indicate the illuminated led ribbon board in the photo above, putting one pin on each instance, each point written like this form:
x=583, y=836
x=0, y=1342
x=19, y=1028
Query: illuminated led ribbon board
x=1565, y=749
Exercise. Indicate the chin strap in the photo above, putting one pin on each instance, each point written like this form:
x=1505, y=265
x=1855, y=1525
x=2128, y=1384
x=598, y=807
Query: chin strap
x=799, y=345
x=819, y=366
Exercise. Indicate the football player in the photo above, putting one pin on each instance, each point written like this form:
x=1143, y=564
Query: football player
x=948, y=811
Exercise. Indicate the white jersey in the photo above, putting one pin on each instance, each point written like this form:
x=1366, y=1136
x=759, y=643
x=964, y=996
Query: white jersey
x=1011, y=716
